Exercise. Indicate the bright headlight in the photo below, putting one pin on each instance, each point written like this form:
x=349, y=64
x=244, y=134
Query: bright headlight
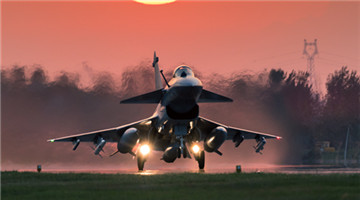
x=144, y=149
x=196, y=148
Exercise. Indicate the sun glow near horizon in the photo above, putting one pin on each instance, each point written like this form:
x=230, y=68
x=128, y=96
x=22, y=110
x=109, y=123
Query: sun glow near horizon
x=154, y=2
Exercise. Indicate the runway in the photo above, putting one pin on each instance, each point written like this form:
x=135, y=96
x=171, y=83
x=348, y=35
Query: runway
x=284, y=169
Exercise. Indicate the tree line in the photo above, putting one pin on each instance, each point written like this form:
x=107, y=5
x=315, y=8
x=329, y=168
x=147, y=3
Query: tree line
x=287, y=97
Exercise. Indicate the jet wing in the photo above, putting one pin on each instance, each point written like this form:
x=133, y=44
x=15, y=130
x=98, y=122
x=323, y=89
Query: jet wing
x=211, y=97
x=151, y=97
x=206, y=126
x=109, y=135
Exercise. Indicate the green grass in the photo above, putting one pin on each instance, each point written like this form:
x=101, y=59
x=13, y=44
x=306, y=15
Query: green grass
x=27, y=185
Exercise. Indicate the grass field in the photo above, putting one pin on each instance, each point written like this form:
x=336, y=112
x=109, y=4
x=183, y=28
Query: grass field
x=27, y=185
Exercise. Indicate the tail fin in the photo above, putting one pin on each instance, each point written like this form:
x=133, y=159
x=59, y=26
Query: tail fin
x=158, y=83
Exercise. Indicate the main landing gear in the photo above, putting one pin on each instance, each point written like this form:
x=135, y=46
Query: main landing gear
x=144, y=150
x=201, y=160
x=199, y=156
x=140, y=162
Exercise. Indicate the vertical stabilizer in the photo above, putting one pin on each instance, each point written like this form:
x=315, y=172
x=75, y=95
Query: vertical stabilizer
x=158, y=83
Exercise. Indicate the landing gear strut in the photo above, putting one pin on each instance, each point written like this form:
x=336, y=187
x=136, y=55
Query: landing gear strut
x=142, y=155
x=201, y=159
x=140, y=161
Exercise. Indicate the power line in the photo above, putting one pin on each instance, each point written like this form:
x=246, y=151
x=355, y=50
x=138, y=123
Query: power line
x=264, y=59
x=344, y=57
x=332, y=61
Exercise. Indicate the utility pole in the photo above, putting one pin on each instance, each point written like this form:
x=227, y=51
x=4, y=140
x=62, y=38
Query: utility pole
x=346, y=146
x=310, y=50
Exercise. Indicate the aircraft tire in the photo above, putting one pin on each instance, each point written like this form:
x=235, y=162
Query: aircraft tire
x=201, y=160
x=140, y=162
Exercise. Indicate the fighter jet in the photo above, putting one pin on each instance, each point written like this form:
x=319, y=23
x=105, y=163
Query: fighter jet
x=175, y=128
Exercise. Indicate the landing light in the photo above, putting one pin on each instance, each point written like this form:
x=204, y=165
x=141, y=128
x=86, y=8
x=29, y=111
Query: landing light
x=145, y=149
x=196, y=148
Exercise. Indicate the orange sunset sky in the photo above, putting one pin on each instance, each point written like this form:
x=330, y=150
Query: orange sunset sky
x=214, y=37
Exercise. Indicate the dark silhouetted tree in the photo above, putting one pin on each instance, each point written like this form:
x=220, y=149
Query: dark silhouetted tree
x=342, y=108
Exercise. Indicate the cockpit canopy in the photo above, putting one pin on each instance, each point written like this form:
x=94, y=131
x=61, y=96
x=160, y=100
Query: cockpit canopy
x=183, y=71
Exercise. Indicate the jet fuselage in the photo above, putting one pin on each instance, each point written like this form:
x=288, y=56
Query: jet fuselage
x=178, y=110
